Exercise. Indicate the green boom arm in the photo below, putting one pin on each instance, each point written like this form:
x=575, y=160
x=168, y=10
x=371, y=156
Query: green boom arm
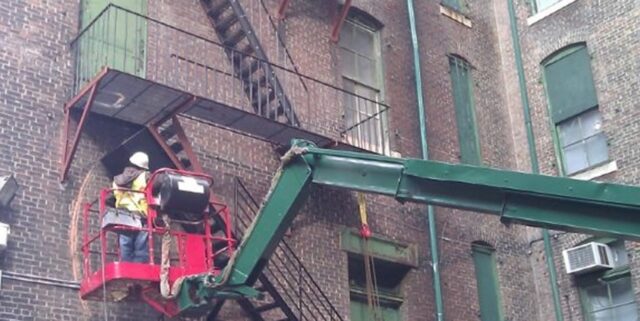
x=535, y=200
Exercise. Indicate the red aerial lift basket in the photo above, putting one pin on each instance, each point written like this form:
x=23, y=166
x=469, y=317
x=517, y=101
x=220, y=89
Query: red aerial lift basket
x=202, y=244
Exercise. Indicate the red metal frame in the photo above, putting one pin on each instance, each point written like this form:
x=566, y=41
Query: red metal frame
x=117, y=272
x=67, y=155
x=282, y=8
x=337, y=25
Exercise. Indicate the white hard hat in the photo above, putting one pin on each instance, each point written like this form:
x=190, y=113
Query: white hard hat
x=140, y=159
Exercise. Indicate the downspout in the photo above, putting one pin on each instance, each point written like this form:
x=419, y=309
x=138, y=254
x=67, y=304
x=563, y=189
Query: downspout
x=548, y=251
x=433, y=237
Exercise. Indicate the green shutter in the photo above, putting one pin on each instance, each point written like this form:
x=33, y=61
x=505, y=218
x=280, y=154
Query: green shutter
x=487, y=279
x=116, y=40
x=569, y=83
x=465, y=119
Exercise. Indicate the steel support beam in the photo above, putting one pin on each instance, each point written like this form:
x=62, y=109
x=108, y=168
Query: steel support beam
x=337, y=25
x=67, y=155
x=282, y=8
x=536, y=200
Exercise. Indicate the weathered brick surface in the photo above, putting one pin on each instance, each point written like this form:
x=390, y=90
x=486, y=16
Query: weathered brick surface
x=36, y=80
x=610, y=32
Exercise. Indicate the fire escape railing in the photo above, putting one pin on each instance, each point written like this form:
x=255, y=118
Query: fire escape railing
x=285, y=270
x=136, y=44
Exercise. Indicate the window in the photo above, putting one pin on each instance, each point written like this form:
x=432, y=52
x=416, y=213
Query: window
x=540, y=5
x=487, y=280
x=389, y=276
x=462, y=88
x=361, y=68
x=582, y=141
x=453, y=4
x=609, y=296
x=574, y=109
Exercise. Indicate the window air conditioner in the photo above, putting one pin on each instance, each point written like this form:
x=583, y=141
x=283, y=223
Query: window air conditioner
x=587, y=257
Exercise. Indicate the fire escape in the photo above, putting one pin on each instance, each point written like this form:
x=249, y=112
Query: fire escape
x=149, y=75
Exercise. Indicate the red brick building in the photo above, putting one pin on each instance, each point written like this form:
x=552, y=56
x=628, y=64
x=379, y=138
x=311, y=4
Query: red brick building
x=252, y=74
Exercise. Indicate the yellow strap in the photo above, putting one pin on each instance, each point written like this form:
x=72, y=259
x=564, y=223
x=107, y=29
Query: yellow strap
x=362, y=207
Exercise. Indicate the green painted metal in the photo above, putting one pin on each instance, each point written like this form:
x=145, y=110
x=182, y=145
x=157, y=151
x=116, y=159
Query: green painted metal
x=462, y=88
x=487, y=279
x=533, y=155
x=389, y=250
x=569, y=82
x=536, y=200
x=266, y=231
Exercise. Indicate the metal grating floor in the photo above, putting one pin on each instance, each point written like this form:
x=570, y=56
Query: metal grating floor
x=139, y=101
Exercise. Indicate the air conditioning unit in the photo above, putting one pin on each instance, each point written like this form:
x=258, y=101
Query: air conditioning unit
x=4, y=234
x=587, y=257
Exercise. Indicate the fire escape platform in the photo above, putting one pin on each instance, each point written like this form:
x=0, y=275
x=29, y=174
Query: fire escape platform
x=141, y=101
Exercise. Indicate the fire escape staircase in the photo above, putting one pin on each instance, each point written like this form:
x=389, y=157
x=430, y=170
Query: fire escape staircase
x=260, y=82
x=290, y=292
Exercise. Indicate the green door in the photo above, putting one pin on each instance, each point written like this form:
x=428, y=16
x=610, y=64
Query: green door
x=117, y=39
x=360, y=311
x=487, y=279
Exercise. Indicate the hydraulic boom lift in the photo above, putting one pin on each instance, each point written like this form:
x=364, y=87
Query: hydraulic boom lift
x=534, y=200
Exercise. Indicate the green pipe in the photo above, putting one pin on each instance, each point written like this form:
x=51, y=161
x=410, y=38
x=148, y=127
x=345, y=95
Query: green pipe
x=535, y=168
x=433, y=237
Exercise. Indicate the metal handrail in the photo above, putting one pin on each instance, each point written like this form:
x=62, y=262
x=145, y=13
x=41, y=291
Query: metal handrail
x=209, y=41
x=289, y=260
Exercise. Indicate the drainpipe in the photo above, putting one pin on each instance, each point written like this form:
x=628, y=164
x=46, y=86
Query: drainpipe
x=548, y=251
x=433, y=237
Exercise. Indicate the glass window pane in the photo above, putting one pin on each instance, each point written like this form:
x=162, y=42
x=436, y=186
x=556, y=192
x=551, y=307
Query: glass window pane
x=367, y=71
x=348, y=63
x=621, y=291
x=543, y=4
x=598, y=297
x=346, y=35
x=591, y=123
x=628, y=312
x=575, y=158
x=597, y=150
x=363, y=41
x=569, y=131
x=605, y=315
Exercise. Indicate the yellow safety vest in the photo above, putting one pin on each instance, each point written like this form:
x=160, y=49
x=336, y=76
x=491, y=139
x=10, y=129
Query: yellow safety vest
x=132, y=201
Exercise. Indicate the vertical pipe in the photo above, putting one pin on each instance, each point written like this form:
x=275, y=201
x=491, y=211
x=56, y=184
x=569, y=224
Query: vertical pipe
x=535, y=168
x=433, y=237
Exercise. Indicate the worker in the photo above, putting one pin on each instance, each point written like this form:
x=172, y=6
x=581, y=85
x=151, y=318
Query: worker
x=134, y=244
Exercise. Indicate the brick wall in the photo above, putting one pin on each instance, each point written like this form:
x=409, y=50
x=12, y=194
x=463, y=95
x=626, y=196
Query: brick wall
x=609, y=29
x=36, y=77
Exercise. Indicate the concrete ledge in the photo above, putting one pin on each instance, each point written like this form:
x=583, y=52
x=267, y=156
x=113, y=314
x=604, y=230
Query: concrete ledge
x=596, y=172
x=455, y=15
x=548, y=11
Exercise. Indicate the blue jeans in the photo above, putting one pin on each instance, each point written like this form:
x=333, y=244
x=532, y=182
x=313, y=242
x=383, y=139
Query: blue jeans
x=134, y=247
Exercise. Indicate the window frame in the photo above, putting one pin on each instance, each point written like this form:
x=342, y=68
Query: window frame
x=603, y=278
x=561, y=148
x=555, y=132
x=381, y=143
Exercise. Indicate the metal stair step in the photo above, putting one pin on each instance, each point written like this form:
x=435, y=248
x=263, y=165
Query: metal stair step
x=225, y=23
x=216, y=8
x=233, y=39
x=247, y=71
x=267, y=307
